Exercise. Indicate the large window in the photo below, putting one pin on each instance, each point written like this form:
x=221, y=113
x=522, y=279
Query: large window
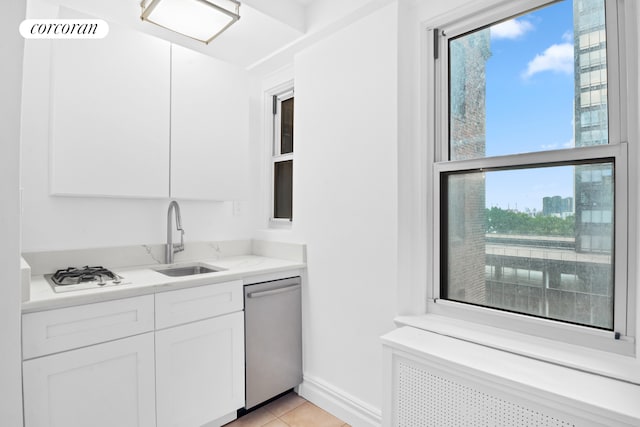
x=530, y=171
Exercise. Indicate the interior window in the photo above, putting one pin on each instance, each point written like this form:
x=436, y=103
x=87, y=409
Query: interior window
x=282, y=158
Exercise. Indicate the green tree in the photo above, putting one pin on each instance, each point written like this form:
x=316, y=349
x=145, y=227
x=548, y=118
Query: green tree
x=508, y=222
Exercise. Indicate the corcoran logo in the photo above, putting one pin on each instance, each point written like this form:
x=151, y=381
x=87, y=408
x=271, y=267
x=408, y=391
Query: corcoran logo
x=64, y=28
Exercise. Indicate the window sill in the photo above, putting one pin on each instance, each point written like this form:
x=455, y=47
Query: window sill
x=597, y=362
x=280, y=224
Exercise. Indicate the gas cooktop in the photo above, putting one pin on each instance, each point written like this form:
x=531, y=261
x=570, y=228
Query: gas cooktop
x=76, y=279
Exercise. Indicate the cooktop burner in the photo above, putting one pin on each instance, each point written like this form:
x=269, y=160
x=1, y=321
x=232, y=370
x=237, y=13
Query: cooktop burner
x=73, y=278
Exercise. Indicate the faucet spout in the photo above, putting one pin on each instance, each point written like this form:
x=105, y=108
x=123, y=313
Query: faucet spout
x=172, y=248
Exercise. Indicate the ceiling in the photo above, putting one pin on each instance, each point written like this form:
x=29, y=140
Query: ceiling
x=265, y=26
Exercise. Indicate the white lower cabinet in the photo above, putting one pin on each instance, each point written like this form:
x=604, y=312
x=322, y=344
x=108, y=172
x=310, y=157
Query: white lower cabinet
x=106, y=364
x=104, y=385
x=200, y=371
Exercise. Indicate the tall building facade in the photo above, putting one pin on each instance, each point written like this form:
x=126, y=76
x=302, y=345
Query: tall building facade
x=557, y=206
x=468, y=57
x=593, y=183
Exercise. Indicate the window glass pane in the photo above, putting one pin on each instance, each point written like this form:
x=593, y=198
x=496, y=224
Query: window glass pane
x=536, y=241
x=533, y=83
x=283, y=189
x=286, y=126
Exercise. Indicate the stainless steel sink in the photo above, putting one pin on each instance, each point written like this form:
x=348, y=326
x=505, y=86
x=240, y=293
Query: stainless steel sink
x=186, y=270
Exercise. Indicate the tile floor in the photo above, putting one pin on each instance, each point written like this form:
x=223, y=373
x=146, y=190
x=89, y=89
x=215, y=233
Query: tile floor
x=290, y=410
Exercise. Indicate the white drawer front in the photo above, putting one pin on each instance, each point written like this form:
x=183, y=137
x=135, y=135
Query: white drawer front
x=188, y=305
x=47, y=332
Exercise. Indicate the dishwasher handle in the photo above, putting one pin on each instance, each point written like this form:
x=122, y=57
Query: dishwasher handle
x=273, y=291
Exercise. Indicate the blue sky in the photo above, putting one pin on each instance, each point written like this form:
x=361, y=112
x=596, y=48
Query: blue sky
x=529, y=103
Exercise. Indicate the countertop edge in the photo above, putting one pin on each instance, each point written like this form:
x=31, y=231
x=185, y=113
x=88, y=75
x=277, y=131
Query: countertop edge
x=287, y=268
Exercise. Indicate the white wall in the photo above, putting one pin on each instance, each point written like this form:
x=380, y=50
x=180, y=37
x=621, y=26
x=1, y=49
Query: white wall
x=13, y=13
x=57, y=223
x=345, y=201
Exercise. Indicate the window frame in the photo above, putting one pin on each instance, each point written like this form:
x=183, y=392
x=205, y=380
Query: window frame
x=436, y=66
x=275, y=152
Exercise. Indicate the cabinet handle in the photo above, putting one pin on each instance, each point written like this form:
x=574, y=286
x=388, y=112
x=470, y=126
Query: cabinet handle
x=273, y=291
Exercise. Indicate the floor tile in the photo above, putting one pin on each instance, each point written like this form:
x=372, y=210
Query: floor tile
x=257, y=418
x=309, y=415
x=285, y=404
x=276, y=423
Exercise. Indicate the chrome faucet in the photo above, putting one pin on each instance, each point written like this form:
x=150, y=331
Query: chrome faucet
x=171, y=248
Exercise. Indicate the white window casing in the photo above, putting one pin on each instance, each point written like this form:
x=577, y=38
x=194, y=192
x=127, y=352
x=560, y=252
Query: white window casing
x=278, y=96
x=619, y=150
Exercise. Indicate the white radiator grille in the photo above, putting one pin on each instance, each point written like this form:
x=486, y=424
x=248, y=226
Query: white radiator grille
x=427, y=399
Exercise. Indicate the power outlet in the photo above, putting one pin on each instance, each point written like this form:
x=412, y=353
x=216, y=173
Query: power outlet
x=237, y=211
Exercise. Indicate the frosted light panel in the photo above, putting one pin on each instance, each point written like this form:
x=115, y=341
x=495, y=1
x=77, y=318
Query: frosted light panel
x=283, y=189
x=195, y=18
x=286, y=127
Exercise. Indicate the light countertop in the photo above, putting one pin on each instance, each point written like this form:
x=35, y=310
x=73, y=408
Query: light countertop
x=142, y=280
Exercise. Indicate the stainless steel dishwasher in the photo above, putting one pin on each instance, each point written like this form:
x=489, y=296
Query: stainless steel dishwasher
x=273, y=339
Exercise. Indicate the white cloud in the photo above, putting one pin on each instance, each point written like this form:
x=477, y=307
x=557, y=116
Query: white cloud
x=557, y=58
x=511, y=29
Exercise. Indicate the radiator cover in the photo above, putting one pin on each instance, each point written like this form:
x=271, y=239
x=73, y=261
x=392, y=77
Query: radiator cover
x=429, y=399
x=439, y=381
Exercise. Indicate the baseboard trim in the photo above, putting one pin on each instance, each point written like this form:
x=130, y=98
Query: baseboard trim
x=341, y=404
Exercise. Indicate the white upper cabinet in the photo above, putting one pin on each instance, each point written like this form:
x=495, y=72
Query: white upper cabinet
x=209, y=128
x=134, y=116
x=110, y=115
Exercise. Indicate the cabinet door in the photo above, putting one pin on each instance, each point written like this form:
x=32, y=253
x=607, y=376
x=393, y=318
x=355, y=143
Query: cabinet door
x=200, y=371
x=209, y=128
x=110, y=115
x=104, y=385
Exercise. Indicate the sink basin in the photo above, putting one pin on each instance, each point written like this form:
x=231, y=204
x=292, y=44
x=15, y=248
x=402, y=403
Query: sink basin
x=186, y=270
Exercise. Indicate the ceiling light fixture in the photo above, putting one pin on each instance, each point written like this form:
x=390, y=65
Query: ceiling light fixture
x=202, y=20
